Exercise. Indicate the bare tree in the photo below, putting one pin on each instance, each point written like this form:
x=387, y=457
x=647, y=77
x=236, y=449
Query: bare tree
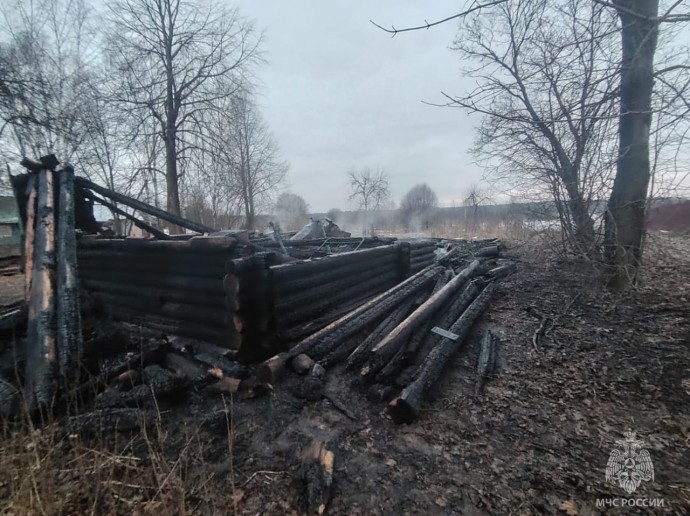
x=254, y=159
x=546, y=75
x=370, y=189
x=46, y=77
x=626, y=210
x=291, y=211
x=417, y=206
x=474, y=198
x=175, y=59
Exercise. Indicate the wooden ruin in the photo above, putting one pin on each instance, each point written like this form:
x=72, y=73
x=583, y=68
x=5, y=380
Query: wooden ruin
x=391, y=312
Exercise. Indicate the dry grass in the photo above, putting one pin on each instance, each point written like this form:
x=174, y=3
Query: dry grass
x=157, y=471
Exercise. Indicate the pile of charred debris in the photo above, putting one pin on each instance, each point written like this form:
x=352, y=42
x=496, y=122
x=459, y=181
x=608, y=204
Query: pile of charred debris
x=114, y=323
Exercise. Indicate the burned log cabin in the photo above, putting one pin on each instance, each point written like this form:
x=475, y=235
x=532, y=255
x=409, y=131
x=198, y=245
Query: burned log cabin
x=251, y=294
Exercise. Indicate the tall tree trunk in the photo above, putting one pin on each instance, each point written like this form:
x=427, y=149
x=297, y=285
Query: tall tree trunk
x=171, y=182
x=171, y=112
x=625, y=216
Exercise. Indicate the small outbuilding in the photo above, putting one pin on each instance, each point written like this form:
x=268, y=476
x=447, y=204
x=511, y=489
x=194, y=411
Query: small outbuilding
x=10, y=228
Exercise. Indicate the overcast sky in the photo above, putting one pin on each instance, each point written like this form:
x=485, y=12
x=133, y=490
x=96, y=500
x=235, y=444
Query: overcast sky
x=337, y=93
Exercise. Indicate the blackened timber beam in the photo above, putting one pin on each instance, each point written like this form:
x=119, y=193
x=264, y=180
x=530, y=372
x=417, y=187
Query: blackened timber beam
x=49, y=162
x=130, y=245
x=287, y=288
x=137, y=222
x=289, y=272
x=143, y=207
x=319, y=306
x=69, y=336
x=328, y=288
x=405, y=408
x=390, y=344
x=209, y=285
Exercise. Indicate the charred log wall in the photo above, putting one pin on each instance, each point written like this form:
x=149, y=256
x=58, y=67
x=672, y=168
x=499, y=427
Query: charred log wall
x=211, y=289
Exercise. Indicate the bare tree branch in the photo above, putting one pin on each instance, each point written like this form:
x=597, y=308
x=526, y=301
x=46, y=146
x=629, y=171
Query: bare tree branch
x=475, y=7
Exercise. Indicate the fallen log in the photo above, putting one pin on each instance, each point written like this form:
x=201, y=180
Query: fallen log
x=359, y=355
x=41, y=365
x=409, y=350
x=421, y=344
x=229, y=367
x=502, y=271
x=225, y=385
x=186, y=367
x=159, y=383
x=70, y=346
x=487, y=361
x=302, y=364
x=332, y=341
x=153, y=354
x=317, y=472
x=405, y=408
x=389, y=345
x=488, y=251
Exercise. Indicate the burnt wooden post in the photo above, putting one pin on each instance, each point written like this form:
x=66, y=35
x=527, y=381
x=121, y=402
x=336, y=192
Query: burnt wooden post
x=69, y=337
x=29, y=226
x=41, y=363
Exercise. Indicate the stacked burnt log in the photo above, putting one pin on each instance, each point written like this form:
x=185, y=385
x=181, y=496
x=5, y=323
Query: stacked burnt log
x=398, y=343
x=175, y=287
x=306, y=291
x=212, y=289
x=422, y=253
